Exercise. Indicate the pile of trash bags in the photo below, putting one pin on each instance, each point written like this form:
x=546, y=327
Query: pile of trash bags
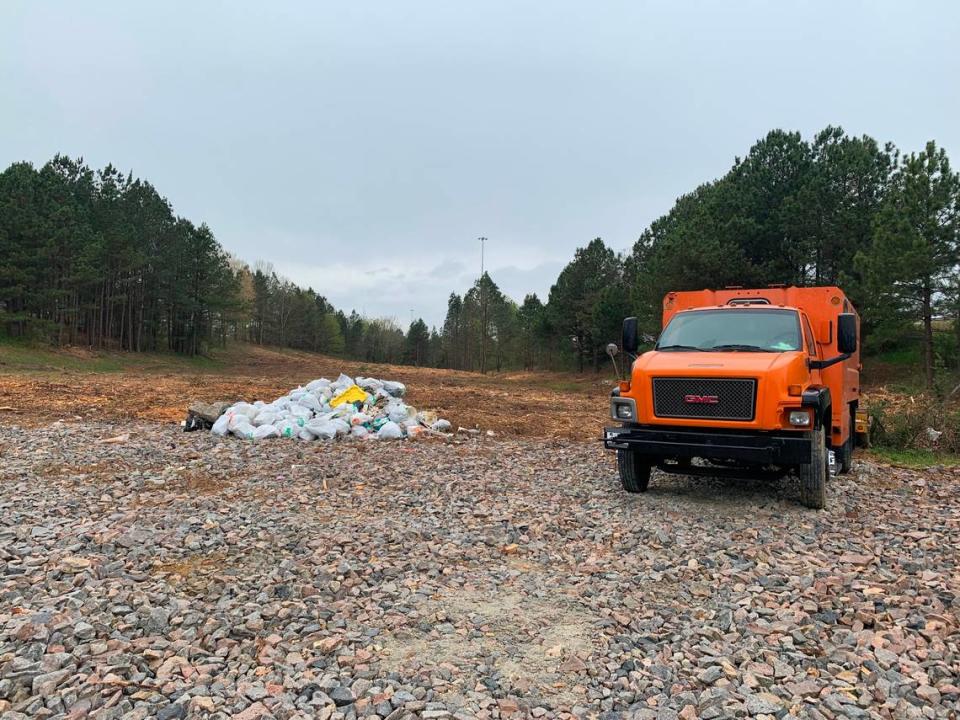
x=364, y=408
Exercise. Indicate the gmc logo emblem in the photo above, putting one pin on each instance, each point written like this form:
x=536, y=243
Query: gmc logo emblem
x=701, y=399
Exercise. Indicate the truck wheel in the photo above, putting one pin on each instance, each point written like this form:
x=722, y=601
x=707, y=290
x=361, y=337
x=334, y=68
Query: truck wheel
x=634, y=471
x=845, y=457
x=813, y=474
x=845, y=453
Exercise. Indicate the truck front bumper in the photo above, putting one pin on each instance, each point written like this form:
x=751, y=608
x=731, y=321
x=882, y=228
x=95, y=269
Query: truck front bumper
x=757, y=447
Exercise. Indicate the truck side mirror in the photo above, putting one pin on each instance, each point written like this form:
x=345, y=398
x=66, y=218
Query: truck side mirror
x=629, y=342
x=847, y=333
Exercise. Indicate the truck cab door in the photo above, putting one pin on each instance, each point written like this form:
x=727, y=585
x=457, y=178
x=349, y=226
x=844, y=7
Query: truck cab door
x=809, y=340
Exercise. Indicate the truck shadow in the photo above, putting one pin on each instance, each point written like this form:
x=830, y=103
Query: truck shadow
x=721, y=491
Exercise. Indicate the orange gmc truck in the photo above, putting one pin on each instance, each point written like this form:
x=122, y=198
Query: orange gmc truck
x=742, y=381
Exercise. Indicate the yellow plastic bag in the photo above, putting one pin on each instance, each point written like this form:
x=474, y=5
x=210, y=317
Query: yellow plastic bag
x=352, y=394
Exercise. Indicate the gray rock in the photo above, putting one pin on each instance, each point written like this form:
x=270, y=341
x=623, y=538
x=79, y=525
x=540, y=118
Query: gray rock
x=83, y=631
x=175, y=711
x=761, y=705
x=710, y=675
x=45, y=685
x=342, y=696
x=157, y=622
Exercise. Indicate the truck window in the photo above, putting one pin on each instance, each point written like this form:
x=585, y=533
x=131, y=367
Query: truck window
x=741, y=329
x=808, y=336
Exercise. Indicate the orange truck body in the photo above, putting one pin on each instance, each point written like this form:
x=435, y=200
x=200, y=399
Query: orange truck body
x=817, y=376
x=820, y=306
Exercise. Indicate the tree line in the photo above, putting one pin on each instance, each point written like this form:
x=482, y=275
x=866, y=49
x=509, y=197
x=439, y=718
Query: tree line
x=100, y=258
x=835, y=210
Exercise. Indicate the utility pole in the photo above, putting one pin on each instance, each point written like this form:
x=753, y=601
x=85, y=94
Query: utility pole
x=483, y=311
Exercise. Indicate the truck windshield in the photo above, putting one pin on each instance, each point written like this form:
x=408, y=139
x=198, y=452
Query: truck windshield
x=744, y=330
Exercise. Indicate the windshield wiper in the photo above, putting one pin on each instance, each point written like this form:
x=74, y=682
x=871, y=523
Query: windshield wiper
x=735, y=347
x=679, y=347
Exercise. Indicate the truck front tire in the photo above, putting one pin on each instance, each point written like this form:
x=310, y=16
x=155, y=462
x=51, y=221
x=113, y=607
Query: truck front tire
x=813, y=474
x=634, y=471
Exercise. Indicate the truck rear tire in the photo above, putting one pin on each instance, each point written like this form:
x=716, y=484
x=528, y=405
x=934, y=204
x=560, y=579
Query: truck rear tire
x=845, y=453
x=813, y=475
x=634, y=471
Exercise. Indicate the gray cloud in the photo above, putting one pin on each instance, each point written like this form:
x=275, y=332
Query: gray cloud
x=363, y=148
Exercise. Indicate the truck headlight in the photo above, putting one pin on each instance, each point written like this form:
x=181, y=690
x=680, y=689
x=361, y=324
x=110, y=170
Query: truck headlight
x=799, y=418
x=623, y=409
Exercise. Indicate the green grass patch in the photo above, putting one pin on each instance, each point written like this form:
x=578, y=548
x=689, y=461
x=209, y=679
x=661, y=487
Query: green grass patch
x=900, y=356
x=20, y=356
x=914, y=458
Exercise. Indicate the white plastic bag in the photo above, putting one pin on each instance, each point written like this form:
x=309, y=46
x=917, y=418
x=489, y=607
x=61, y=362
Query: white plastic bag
x=265, y=431
x=245, y=409
x=299, y=411
x=318, y=384
x=265, y=417
x=310, y=402
x=323, y=429
x=344, y=410
x=287, y=429
x=341, y=383
x=441, y=425
x=359, y=431
x=243, y=429
x=397, y=412
x=222, y=424
x=396, y=389
x=371, y=385
x=360, y=418
x=390, y=431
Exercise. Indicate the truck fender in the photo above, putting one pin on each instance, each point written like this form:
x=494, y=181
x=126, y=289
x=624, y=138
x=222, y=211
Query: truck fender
x=817, y=397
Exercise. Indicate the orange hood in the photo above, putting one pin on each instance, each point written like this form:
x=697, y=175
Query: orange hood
x=744, y=364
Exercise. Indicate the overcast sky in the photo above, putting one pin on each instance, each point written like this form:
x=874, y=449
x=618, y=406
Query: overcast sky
x=361, y=148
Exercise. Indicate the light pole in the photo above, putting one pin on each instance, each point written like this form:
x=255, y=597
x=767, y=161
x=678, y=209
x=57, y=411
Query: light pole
x=483, y=310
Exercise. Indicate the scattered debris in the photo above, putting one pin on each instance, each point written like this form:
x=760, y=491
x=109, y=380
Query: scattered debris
x=202, y=416
x=363, y=408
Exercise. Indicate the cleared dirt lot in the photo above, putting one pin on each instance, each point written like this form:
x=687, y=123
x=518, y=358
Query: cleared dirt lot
x=54, y=386
x=175, y=575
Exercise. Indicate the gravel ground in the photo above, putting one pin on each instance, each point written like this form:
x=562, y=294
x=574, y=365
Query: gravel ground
x=173, y=575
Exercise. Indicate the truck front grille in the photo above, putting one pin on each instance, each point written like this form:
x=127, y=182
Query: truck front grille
x=708, y=398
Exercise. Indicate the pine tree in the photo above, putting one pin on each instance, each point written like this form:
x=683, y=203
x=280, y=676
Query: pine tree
x=573, y=298
x=915, y=249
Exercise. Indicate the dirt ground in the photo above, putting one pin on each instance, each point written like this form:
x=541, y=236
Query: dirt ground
x=148, y=572
x=59, y=386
